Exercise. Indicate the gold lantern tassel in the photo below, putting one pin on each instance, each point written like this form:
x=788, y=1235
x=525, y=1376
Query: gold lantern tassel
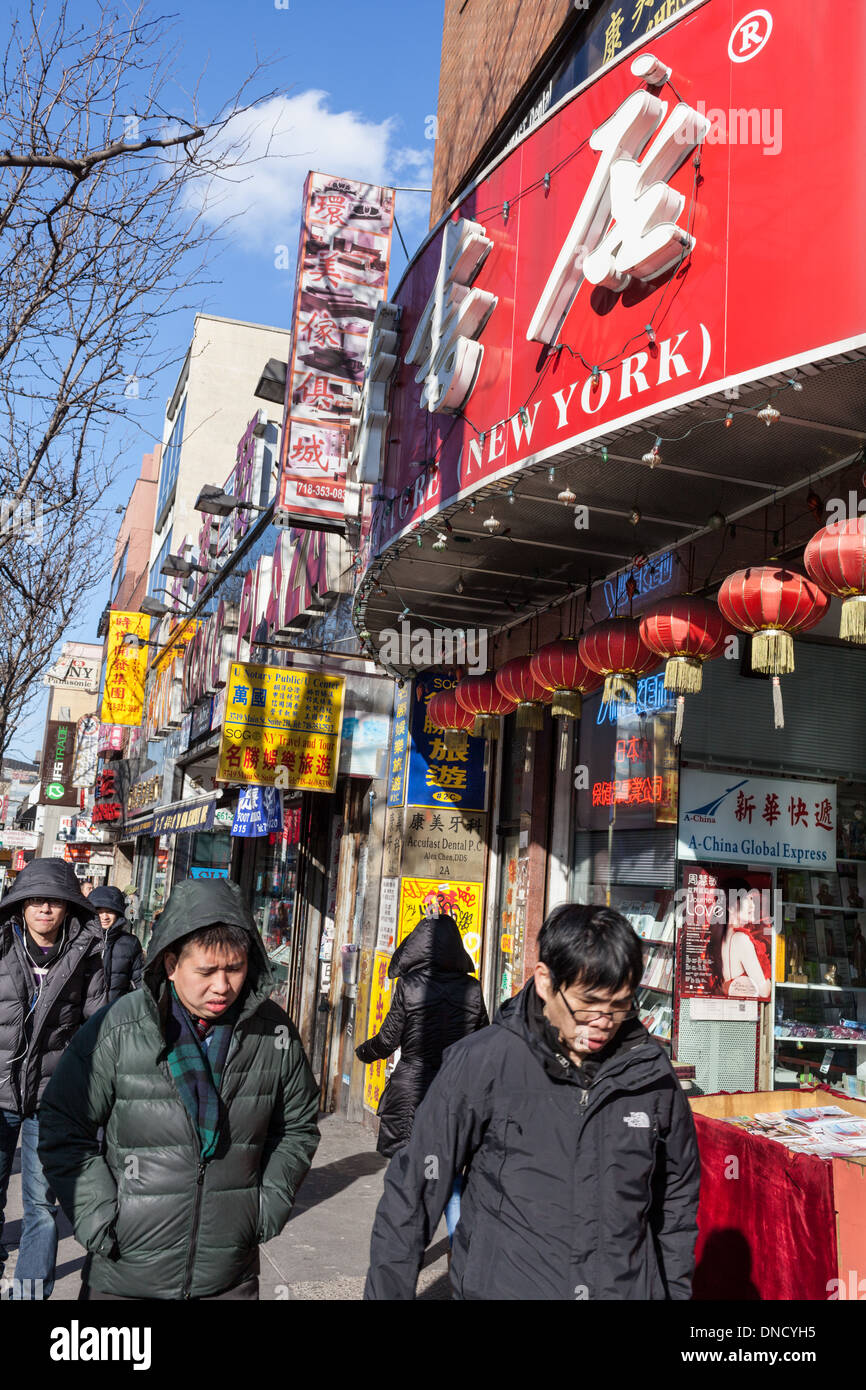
x=678, y=722
x=486, y=726
x=773, y=652
x=778, y=707
x=684, y=675
x=455, y=740
x=853, y=625
x=619, y=686
x=567, y=703
x=530, y=715
x=563, y=747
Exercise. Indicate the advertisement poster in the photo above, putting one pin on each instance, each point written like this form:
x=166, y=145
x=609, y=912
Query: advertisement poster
x=342, y=272
x=724, y=817
x=440, y=776
x=726, y=933
x=399, y=747
x=259, y=812
x=462, y=901
x=280, y=718
x=86, y=755
x=380, y=999
x=125, y=667
x=386, y=938
x=56, y=788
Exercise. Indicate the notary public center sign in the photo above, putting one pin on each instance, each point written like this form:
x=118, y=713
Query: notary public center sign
x=598, y=223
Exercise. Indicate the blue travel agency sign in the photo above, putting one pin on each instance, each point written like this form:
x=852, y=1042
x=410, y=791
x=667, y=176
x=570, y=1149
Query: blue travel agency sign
x=441, y=776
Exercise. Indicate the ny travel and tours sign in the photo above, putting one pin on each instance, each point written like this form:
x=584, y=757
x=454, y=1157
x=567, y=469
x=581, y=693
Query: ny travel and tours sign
x=633, y=252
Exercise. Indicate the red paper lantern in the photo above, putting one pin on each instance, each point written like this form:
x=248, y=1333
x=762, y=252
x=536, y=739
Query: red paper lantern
x=446, y=714
x=772, y=602
x=616, y=651
x=687, y=631
x=836, y=559
x=558, y=667
x=481, y=697
x=516, y=681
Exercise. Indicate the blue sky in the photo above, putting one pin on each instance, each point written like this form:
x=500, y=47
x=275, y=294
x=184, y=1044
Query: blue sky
x=355, y=87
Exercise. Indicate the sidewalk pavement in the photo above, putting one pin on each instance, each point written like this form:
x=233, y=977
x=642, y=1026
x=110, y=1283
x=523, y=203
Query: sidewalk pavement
x=323, y=1251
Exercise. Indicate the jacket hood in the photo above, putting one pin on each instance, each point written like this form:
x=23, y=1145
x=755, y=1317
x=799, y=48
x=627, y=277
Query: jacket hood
x=523, y=1015
x=55, y=879
x=108, y=900
x=197, y=903
x=435, y=944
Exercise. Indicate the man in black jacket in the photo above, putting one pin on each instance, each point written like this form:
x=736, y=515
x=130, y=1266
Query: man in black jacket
x=122, y=959
x=583, y=1165
x=50, y=981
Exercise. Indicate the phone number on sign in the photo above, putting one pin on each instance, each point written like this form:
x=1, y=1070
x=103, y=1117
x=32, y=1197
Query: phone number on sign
x=333, y=491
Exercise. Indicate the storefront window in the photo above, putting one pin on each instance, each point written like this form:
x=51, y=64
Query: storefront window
x=625, y=837
x=510, y=922
x=150, y=879
x=275, y=874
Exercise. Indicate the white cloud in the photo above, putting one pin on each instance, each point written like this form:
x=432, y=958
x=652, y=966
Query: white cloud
x=289, y=135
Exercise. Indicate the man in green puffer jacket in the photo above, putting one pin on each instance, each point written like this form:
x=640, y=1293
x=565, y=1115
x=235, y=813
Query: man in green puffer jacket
x=209, y=1109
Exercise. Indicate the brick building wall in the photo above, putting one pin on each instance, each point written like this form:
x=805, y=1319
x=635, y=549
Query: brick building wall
x=490, y=50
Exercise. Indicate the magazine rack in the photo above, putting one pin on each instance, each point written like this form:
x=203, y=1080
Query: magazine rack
x=773, y=1224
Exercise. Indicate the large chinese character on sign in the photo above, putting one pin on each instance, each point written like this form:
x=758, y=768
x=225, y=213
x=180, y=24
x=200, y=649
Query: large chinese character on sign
x=628, y=224
x=444, y=346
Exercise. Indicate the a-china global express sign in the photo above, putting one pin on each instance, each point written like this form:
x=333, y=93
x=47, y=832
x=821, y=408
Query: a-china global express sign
x=743, y=820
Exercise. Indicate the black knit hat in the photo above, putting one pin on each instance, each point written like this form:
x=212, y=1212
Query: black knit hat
x=108, y=900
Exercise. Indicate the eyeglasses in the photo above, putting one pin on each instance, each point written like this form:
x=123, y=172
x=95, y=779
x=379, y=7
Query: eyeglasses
x=590, y=1015
x=38, y=902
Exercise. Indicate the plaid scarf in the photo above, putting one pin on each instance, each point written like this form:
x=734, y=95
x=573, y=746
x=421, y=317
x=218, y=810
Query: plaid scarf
x=197, y=1072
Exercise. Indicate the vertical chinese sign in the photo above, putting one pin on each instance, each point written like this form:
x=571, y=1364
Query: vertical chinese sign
x=342, y=274
x=125, y=666
x=380, y=999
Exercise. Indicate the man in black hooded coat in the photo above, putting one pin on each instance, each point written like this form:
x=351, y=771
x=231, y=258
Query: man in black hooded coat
x=436, y=1002
x=50, y=981
x=122, y=958
x=576, y=1137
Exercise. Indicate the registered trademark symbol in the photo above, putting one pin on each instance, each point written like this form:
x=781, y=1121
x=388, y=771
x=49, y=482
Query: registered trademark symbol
x=750, y=35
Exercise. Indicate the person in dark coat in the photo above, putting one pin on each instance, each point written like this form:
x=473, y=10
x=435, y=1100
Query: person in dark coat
x=122, y=958
x=436, y=1002
x=209, y=1108
x=50, y=981
x=580, y=1146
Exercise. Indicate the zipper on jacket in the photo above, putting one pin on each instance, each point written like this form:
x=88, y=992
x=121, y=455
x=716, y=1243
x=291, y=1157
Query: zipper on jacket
x=196, y=1217
x=584, y=1097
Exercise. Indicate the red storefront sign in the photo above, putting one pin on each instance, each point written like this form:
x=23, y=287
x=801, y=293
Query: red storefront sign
x=756, y=234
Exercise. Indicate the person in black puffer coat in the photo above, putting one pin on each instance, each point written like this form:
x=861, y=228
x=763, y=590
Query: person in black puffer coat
x=50, y=981
x=122, y=958
x=436, y=1002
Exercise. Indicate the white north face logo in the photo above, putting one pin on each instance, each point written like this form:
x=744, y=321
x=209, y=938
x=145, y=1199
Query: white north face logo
x=637, y=1120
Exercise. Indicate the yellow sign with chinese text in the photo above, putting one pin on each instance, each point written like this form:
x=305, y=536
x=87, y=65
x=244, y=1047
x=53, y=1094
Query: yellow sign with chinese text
x=462, y=901
x=282, y=728
x=125, y=666
x=380, y=999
